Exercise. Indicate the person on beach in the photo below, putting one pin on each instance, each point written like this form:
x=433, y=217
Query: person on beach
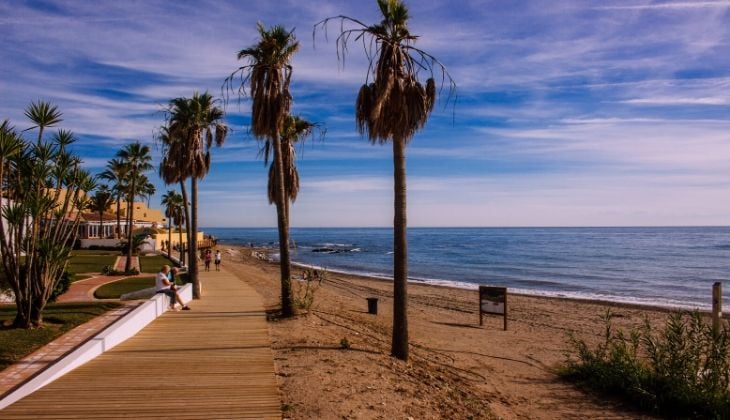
x=208, y=259
x=217, y=260
x=163, y=285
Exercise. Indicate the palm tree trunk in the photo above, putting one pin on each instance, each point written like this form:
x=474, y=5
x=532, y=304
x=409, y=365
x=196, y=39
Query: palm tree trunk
x=193, y=264
x=130, y=220
x=101, y=224
x=179, y=236
x=119, y=217
x=169, y=237
x=186, y=208
x=399, y=347
x=283, y=224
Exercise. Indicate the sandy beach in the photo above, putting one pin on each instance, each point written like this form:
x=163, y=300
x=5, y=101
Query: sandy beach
x=457, y=368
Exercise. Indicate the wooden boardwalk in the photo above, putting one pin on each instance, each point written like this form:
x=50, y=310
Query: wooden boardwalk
x=213, y=362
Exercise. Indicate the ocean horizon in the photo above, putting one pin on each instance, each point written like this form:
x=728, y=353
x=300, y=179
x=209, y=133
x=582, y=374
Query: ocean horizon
x=664, y=266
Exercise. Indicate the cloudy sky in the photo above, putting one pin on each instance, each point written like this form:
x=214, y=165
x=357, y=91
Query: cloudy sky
x=569, y=113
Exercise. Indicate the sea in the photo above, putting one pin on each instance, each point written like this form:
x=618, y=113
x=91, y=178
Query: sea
x=656, y=266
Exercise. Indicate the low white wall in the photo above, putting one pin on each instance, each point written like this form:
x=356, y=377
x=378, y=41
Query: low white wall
x=124, y=328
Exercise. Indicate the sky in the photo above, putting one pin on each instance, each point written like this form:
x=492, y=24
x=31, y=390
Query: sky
x=569, y=113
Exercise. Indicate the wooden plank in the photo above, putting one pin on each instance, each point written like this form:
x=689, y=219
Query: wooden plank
x=212, y=362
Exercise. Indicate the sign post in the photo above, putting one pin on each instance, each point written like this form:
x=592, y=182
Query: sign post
x=716, y=307
x=493, y=300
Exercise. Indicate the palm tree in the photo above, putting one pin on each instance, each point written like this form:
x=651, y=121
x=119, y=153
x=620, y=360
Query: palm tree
x=137, y=159
x=116, y=173
x=295, y=129
x=171, y=171
x=195, y=125
x=100, y=202
x=146, y=189
x=268, y=74
x=43, y=115
x=392, y=108
x=173, y=203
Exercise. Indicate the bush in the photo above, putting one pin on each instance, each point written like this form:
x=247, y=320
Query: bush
x=304, y=290
x=108, y=270
x=61, y=286
x=683, y=370
x=345, y=343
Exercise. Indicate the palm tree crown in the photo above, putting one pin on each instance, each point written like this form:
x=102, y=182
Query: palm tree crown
x=269, y=73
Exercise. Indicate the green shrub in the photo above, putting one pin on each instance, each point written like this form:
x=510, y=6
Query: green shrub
x=304, y=290
x=345, y=343
x=61, y=286
x=682, y=370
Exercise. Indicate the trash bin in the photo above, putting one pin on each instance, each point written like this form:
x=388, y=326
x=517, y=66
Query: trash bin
x=372, y=305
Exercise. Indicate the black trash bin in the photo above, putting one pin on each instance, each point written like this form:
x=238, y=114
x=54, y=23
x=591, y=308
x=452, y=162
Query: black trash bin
x=372, y=305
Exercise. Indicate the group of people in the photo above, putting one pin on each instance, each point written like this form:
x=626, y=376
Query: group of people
x=208, y=257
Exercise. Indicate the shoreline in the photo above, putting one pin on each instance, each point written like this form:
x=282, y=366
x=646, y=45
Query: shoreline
x=453, y=284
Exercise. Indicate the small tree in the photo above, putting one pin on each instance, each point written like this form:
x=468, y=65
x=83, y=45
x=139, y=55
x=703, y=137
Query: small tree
x=137, y=159
x=42, y=192
x=100, y=203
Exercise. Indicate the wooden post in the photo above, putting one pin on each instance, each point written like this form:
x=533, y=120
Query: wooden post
x=505, y=309
x=481, y=318
x=716, y=307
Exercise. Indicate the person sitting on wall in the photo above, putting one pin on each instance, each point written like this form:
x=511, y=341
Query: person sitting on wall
x=163, y=285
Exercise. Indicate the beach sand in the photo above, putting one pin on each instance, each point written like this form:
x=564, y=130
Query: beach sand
x=457, y=369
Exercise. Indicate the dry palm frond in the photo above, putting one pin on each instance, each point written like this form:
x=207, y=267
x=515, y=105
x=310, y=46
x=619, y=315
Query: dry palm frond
x=395, y=104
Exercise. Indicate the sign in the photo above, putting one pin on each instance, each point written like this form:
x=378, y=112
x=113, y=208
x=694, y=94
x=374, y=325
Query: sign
x=493, y=300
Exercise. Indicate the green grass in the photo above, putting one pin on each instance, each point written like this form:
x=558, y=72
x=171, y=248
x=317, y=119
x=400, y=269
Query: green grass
x=90, y=263
x=116, y=289
x=77, y=277
x=152, y=263
x=58, y=318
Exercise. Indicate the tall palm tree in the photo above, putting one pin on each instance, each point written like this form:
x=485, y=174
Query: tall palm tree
x=100, y=202
x=392, y=108
x=137, y=159
x=195, y=125
x=171, y=170
x=116, y=173
x=268, y=73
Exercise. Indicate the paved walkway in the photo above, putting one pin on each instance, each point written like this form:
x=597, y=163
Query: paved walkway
x=83, y=290
x=121, y=262
x=213, y=362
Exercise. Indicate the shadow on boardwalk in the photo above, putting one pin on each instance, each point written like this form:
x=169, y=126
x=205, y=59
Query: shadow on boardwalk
x=212, y=362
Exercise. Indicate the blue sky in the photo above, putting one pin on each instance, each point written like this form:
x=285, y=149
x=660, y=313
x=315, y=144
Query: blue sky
x=570, y=113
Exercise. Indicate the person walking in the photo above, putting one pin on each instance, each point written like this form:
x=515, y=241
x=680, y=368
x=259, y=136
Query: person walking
x=208, y=259
x=217, y=260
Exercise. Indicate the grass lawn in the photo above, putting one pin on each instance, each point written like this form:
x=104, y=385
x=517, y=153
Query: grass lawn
x=118, y=288
x=58, y=318
x=152, y=263
x=77, y=277
x=90, y=263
